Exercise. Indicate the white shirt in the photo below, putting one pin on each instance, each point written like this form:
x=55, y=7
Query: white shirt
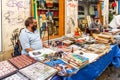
x=115, y=22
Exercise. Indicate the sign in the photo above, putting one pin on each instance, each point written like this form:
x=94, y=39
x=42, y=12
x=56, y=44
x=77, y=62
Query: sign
x=71, y=15
x=105, y=12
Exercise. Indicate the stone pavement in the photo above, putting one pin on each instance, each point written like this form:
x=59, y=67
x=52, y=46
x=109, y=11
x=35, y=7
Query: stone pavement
x=111, y=73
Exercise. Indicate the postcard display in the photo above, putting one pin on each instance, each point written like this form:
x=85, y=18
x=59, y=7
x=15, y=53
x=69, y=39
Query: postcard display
x=38, y=71
x=65, y=57
x=16, y=76
x=58, y=60
x=25, y=68
x=22, y=61
x=6, y=69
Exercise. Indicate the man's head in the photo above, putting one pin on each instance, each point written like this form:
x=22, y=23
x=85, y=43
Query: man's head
x=30, y=22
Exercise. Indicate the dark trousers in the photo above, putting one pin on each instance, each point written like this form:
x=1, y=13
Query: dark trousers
x=119, y=46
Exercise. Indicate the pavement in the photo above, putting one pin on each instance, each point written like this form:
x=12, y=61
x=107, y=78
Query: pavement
x=111, y=73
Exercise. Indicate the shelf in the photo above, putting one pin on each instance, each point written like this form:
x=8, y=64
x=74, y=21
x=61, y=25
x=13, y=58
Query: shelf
x=81, y=11
x=56, y=13
x=47, y=9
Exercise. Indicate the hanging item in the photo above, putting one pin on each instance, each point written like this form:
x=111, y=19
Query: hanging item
x=114, y=5
x=49, y=15
x=41, y=4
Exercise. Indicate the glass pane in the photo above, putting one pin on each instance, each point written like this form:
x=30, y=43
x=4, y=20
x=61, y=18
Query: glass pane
x=48, y=17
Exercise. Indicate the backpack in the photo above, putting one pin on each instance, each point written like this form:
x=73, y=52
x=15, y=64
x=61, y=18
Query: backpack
x=17, y=47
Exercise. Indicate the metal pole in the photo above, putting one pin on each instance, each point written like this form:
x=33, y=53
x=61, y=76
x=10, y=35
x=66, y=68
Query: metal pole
x=118, y=6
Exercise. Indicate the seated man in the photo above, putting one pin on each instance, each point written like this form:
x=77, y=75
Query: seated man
x=30, y=37
x=95, y=26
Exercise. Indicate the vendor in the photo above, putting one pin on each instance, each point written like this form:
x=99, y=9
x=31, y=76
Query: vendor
x=95, y=26
x=30, y=37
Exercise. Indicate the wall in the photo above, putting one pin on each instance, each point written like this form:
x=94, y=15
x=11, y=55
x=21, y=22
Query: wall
x=0, y=26
x=14, y=13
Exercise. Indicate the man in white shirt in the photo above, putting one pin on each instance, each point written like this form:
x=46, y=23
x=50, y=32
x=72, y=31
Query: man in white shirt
x=30, y=37
x=115, y=25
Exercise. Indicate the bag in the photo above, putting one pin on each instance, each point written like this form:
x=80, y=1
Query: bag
x=17, y=49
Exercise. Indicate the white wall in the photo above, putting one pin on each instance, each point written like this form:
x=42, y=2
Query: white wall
x=0, y=27
x=14, y=13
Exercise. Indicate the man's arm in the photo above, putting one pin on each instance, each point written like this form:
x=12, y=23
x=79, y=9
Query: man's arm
x=45, y=45
x=116, y=32
x=29, y=49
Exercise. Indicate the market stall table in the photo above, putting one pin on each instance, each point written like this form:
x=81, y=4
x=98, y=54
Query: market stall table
x=95, y=69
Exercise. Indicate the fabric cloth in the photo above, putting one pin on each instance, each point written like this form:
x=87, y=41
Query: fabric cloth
x=116, y=59
x=30, y=40
x=93, y=70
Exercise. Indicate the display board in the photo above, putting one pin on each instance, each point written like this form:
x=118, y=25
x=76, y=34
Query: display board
x=0, y=26
x=105, y=12
x=14, y=13
x=71, y=15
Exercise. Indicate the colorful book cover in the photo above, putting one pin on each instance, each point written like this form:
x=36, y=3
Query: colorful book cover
x=62, y=67
x=75, y=60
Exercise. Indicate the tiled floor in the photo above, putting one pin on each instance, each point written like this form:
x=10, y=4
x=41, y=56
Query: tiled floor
x=111, y=73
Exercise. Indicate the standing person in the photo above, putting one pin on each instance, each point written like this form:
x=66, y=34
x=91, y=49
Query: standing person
x=115, y=25
x=30, y=37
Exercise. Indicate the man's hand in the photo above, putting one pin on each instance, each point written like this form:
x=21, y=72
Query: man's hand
x=114, y=33
x=29, y=49
x=97, y=29
x=45, y=45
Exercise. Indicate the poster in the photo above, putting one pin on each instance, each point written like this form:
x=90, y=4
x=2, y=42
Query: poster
x=14, y=14
x=71, y=15
x=105, y=12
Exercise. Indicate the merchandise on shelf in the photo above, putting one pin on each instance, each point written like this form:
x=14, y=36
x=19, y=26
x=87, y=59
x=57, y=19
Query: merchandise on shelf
x=22, y=61
x=38, y=71
x=6, y=69
x=49, y=3
x=41, y=4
